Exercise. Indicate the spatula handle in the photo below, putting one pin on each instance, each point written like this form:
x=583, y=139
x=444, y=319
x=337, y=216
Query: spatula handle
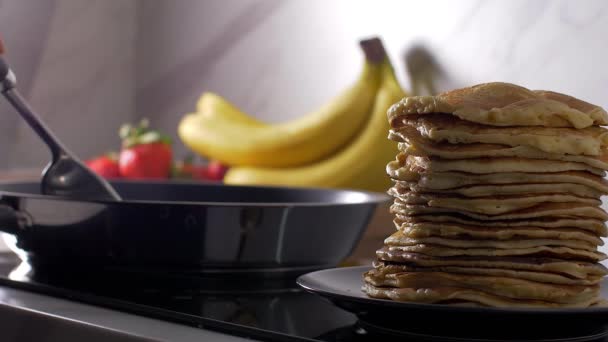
x=15, y=99
x=8, y=83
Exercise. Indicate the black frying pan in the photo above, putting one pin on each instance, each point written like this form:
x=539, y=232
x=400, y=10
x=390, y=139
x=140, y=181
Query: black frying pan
x=170, y=224
x=188, y=225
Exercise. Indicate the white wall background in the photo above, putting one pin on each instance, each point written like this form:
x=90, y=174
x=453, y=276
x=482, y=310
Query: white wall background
x=74, y=61
x=278, y=59
x=90, y=65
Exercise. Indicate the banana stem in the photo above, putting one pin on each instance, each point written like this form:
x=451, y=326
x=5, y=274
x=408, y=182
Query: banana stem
x=373, y=49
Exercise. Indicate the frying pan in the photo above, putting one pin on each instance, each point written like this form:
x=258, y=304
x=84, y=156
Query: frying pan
x=168, y=224
x=185, y=225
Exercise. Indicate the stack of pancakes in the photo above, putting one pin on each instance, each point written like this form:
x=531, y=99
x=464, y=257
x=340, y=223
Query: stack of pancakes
x=497, y=200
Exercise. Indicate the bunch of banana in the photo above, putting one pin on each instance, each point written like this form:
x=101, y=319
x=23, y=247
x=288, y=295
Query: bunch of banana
x=343, y=145
x=215, y=133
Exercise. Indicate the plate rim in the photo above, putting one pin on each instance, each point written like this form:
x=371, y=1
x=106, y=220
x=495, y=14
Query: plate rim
x=331, y=295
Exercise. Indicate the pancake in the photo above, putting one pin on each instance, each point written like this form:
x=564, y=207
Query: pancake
x=474, y=233
x=542, y=210
x=454, y=296
x=497, y=200
x=400, y=239
x=449, y=295
x=571, y=268
x=566, y=253
x=414, y=144
x=447, y=128
x=504, y=189
x=494, y=205
x=504, y=104
x=594, y=226
x=543, y=277
x=518, y=289
x=452, y=180
x=425, y=165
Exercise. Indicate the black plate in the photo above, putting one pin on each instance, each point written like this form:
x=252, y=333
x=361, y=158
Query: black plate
x=342, y=286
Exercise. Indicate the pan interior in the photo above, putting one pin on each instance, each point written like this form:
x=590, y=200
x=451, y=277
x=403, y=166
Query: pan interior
x=163, y=191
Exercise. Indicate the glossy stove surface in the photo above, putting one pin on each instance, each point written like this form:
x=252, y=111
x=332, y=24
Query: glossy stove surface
x=269, y=308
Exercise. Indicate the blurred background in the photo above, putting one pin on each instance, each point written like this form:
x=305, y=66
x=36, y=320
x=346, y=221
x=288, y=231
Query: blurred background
x=89, y=66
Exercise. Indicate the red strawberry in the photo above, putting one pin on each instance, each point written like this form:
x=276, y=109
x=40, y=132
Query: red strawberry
x=216, y=170
x=105, y=166
x=186, y=169
x=200, y=172
x=145, y=153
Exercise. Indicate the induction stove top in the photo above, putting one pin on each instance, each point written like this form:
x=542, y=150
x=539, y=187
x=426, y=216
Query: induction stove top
x=270, y=308
x=267, y=308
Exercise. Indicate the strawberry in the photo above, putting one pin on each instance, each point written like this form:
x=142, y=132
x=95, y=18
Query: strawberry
x=105, y=166
x=188, y=170
x=216, y=170
x=145, y=153
x=200, y=172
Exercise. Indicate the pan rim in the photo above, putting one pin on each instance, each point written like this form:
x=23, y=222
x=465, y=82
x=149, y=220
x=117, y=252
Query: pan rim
x=359, y=197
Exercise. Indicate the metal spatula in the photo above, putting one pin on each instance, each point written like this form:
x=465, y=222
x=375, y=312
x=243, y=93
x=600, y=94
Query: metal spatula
x=65, y=175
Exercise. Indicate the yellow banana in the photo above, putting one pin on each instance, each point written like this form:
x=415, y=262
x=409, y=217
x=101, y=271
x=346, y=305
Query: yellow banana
x=305, y=140
x=213, y=107
x=360, y=165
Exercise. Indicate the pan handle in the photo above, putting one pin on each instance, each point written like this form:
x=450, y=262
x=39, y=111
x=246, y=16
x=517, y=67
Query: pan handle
x=9, y=219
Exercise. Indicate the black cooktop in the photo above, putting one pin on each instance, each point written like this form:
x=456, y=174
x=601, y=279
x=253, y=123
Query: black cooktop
x=268, y=308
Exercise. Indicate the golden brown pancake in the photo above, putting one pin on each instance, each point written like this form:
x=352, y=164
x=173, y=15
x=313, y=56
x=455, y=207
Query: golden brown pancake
x=569, y=209
x=448, y=128
x=594, y=226
x=565, y=253
x=494, y=205
x=485, y=190
x=571, y=268
x=543, y=277
x=513, y=288
x=449, y=295
x=477, y=232
x=453, y=180
x=426, y=165
x=400, y=239
x=414, y=144
x=504, y=104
